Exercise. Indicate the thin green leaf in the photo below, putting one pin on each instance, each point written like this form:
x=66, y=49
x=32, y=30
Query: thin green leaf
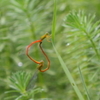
x=54, y=21
x=68, y=74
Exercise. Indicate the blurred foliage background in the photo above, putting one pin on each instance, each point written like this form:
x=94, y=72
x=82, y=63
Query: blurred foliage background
x=24, y=21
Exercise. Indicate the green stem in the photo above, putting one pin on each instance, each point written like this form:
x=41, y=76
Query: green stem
x=68, y=74
x=93, y=44
x=36, y=52
x=32, y=30
x=31, y=25
x=88, y=96
x=54, y=21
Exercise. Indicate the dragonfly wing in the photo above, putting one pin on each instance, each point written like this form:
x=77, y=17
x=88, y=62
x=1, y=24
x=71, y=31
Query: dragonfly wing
x=32, y=81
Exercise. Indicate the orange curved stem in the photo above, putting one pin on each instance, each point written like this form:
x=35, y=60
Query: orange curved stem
x=27, y=49
x=48, y=65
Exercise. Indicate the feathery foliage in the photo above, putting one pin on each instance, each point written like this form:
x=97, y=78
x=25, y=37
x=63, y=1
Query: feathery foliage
x=76, y=41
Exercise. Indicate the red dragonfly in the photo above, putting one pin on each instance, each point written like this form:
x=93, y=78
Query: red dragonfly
x=41, y=63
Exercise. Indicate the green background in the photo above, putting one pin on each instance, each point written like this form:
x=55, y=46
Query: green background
x=24, y=21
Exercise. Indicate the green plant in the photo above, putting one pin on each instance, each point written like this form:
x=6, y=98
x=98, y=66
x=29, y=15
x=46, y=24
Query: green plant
x=76, y=44
x=86, y=31
x=66, y=70
x=19, y=82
